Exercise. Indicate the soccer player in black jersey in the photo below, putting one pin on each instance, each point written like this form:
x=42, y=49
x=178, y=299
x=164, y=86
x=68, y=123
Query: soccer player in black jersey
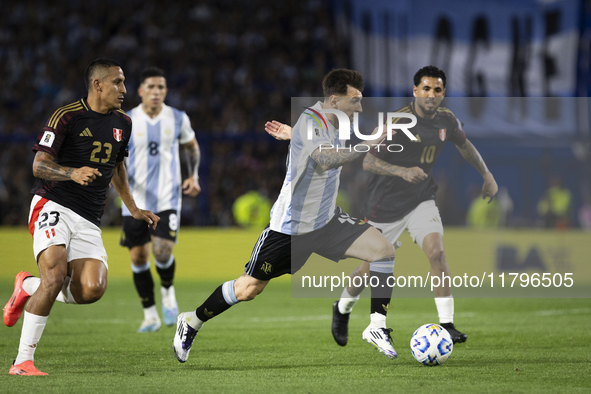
x=401, y=193
x=79, y=152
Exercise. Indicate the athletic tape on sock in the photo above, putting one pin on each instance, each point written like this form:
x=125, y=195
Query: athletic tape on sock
x=138, y=269
x=228, y=292
x=164, y=266
x=383, y=266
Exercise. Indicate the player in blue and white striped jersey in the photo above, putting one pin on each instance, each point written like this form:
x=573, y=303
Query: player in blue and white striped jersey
x=304, y=219
x=153, y=166
x=308, y=197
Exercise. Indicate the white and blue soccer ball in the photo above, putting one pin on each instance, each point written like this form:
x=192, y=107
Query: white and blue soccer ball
x=431, y=344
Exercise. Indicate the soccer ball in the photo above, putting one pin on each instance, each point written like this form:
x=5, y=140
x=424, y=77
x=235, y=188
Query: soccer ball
x=431, y=344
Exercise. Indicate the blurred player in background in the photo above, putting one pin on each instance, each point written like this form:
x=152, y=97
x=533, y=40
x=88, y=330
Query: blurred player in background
x=154, y=170
x=78, y=153
x=401, y=193
x=309, y=222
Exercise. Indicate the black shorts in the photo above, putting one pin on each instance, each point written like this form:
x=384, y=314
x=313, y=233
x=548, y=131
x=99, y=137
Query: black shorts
x=137, y=233
x=277, y=254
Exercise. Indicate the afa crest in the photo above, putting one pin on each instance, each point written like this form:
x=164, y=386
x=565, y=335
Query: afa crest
x=266, y=268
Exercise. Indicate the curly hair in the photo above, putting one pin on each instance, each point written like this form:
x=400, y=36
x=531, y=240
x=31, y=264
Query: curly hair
x=429, y=71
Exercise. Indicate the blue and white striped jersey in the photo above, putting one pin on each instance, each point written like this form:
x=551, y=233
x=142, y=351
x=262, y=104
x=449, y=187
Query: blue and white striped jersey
x=153, y=164
x=308, y=196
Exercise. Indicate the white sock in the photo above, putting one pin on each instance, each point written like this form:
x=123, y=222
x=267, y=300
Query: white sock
x=168, y=297
x=33, y=326
x=445, y=308
x=193, y=320
x=377, y=320
x=31, y=284
x=150, y=313
x=164, y=292
x=65, y=296
x=347, y=301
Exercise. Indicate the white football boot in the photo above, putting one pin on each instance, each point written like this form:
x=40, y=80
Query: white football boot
x=150, y=325
x=183, y=338
x=381, y=339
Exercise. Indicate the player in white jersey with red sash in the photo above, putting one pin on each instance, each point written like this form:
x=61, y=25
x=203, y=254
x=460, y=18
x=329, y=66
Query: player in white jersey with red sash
x=154, y=170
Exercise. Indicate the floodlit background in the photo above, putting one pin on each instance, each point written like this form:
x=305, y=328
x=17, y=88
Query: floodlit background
x=519, y=77
x=233, y=65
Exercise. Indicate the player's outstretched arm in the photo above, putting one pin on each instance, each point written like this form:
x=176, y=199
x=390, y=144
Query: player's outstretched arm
x=278, y=130
x=326, y=157
x=121, y=184
x=45, y=168
x=471, y=155
x=193, y=157
x=378, y=166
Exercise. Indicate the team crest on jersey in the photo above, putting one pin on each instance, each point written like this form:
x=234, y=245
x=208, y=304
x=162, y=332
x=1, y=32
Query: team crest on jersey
x=118, y=132
x=266, y=268
x=442, y=134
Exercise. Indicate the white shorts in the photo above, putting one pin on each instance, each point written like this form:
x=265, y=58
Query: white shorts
x=420, y=222
x=53, y=224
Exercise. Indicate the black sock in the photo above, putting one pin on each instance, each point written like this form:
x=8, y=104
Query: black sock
x=213, y=306
x=380, y=296
x=144, y=285
x=166, y=275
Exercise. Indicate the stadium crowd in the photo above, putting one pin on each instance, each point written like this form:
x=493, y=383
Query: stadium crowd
x=231, y=65
x=212, y=55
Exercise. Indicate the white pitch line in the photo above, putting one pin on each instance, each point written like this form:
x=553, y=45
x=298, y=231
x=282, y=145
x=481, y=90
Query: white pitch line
x=399, y=316
x=329, y=317
x=290, y=318
x=555, y=312
x=394, y=315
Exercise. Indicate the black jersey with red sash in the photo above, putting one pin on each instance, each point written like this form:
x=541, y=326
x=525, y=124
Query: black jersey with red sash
x=76, y=136
x=390, y=198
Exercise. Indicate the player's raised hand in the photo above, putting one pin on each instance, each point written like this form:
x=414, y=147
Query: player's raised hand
x=278, y=130
x=191, y=187
x=85, y=175
x=490, y=187
x=414, y=175
x=147, y=216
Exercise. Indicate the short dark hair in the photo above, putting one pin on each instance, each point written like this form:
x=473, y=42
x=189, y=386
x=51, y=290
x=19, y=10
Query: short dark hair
x=336, y=82
x=94, y=65
x=151, y=72
x=429, y=71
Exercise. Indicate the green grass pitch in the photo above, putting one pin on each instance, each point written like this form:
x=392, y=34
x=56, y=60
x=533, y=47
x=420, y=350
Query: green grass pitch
x=282, y=344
